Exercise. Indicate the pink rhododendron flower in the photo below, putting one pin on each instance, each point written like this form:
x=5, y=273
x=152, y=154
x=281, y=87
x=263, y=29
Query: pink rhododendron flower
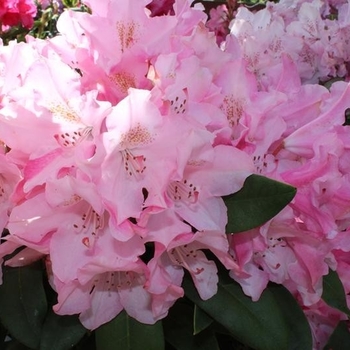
x=299, y=28
x=99, y=298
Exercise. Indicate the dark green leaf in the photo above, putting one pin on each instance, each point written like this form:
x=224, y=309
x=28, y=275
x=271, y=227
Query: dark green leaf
x=61, y=332
x=125, y=333
x=23, y=303
x=3, y=334
x=178, y=330
x=260, y=325
x=347, y=117
x=14, y=345
x=87, y=343
x=258, y=201
x=328, y=84
x=201, y=320
x=300, y=336
x=340, y=339
x=333, y=292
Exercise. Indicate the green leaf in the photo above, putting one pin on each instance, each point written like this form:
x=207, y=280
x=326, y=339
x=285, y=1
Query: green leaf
x=300, y=336
x=15, y=345
x=70, y=3
x=3, y=334
x=61, y=332
x=253, y=3
x=201, y=320
x=258, y=201
x=260, y=324
x=87, y=343
x=178, y=330
x=333, y=292
x=23, y=303
x=340, y=339
x=125, y=333
x=347, y=117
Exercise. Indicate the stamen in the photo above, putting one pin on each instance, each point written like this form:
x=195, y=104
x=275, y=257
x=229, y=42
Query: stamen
x=183, y=191
x=73, y=138
x=133, y=165
x=178, y=105
x=90, y=224
x=261, y=163
x=179, y=256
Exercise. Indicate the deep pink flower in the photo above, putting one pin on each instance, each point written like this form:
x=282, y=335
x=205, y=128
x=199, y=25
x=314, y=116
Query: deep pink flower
x=161, y=7
x=15, y=12
x=219, y=22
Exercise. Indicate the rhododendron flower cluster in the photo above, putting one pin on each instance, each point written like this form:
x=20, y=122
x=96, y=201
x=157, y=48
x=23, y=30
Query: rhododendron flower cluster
x=313, y=33
x=120, y=135
x=114, y=152
x=295, y=132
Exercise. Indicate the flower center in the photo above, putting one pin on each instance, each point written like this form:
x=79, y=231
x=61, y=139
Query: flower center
x=72, y=138
x=73, y=130
x=113, y=281
x=123, y=80
x=233, y=108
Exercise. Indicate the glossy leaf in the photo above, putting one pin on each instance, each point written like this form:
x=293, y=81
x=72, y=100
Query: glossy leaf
x=333, y=292
x=261, y=325
x=201, y=320
x=178, y=330
x=300, y=336
x=126, y=333
x=340, y=339
x=23, y=304
x=258, y=201
x=61, y=332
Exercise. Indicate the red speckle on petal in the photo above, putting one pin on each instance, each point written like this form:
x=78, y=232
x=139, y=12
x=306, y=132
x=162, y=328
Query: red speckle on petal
x=86, y=241
x=199, y=270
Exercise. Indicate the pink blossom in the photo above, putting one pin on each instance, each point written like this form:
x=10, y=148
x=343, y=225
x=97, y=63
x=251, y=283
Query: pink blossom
x=102, y=296
x=323, y=319
x=185, y=251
